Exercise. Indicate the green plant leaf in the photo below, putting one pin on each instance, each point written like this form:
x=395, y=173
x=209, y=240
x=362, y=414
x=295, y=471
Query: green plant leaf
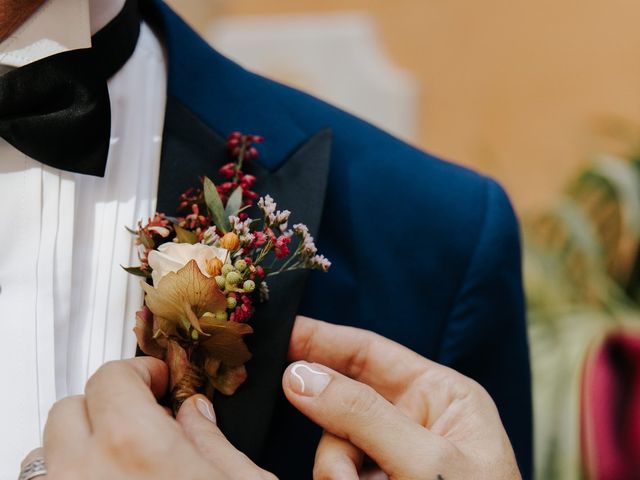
x=625, y=180
x=185, y=236
x=214, y=204
x=146, y=240
x=137, y=271
x=234, y=203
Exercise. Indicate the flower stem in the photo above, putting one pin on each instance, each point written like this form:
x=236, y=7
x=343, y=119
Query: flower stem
x=243, y=148
x=190, y=384
x=295, y=266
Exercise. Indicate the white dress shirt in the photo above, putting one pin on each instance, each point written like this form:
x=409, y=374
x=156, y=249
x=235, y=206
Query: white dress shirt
x=66, y=305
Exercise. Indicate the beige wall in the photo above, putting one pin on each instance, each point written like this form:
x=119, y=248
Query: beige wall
x=516, y=89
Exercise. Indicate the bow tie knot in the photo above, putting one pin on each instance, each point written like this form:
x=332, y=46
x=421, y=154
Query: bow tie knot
x=57, y=111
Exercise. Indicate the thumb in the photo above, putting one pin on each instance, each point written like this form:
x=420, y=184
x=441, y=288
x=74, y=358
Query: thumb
x=198, y=421
x=354, y=411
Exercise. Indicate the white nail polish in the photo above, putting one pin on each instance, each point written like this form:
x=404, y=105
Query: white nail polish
x=206, y=409
x=308, y=380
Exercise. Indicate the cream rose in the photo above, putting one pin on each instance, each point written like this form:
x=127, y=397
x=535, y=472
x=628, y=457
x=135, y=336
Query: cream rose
x=171, y=257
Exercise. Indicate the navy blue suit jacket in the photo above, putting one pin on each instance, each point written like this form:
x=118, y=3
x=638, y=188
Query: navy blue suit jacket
x=424, y=252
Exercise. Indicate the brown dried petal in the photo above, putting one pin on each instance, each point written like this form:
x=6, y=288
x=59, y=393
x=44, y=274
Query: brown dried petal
x=229, y=379
x=144, y=333
x=177, y=361
x=185, y=295
x=163, y=328
x=225, y=340
x=211, y=366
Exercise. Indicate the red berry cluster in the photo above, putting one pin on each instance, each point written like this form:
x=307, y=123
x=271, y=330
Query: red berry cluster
x=241, y=148
x=243, y=311
x=192, y=212
x=192, y=196
x=241, y=145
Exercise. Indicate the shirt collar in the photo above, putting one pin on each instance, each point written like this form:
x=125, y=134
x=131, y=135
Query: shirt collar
x=47, y=31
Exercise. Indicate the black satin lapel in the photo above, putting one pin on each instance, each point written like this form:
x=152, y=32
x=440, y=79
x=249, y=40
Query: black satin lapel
x=191, y=149
x=298, y=185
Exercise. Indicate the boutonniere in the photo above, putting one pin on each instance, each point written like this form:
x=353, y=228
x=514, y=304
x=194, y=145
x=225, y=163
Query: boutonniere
x=206, y=272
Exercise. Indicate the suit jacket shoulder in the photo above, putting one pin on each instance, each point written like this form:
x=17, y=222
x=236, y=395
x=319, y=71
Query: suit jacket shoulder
x=424, y=252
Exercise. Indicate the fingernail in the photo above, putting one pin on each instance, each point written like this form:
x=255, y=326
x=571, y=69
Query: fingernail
x=307, y=379
x=206, y=409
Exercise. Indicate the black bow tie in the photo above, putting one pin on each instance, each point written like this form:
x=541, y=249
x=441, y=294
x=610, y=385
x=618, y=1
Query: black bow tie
x=56, y=110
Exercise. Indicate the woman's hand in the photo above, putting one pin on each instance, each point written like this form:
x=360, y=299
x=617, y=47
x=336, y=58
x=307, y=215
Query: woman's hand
x=117, y=430
x=414, y=418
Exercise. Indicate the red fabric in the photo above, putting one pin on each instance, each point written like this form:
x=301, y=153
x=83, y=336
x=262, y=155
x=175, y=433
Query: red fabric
x=610, y=414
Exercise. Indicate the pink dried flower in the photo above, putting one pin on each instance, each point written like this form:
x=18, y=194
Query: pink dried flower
x=259, y=239
x=319, y=262
x=281, y=247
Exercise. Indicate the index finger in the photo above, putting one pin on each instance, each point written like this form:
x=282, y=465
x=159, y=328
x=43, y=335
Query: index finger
x=127, y=390
x=362, y=355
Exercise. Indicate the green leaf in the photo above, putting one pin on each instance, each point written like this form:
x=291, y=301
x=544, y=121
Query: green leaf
x=184, y=235
x=234, y=203
x=625, y=180
x=137, y=271
x=214, y=204
x=146, y=240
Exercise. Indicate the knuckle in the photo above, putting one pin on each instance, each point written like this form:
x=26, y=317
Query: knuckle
x=361, y=401
x=111, y=366
x=58, y=407
x=460, y=389
x=470, y=390
x=363, y=341
x=57, y=411
x=444, y=379
x=445, y=452
x=479, y=391
x=125, y=441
